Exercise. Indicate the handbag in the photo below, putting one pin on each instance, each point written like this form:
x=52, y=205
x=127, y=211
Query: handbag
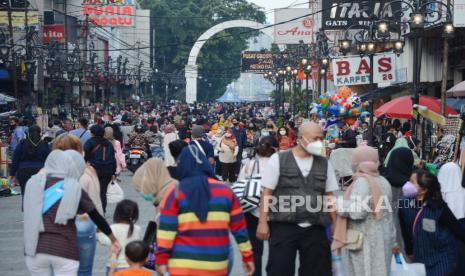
x=150, y=238
x=354, y=240
x=248, y=191
x=399, y=267
x=114, y=193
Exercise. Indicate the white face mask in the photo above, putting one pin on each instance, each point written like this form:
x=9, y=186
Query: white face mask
x=282, y=132
x=315, y=148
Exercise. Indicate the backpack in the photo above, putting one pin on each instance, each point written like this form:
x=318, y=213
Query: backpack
x=103, y=157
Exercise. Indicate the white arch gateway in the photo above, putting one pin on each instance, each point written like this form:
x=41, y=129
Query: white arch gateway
x=191, y=71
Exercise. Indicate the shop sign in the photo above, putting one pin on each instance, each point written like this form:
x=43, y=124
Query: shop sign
x=18, y=19
x=256, y=62
x=54, y=32
x=113, y=13
x=459, y=11
x=295, y=30
x=356, y=70
x=341, y=14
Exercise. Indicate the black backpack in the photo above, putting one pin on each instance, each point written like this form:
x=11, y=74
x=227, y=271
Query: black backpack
x=103, y=157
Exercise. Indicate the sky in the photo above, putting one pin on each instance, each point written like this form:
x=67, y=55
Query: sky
x=276, y=4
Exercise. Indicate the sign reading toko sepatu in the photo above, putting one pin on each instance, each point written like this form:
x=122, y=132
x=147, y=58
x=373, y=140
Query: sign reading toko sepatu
x=257, y=62
x=340, y=14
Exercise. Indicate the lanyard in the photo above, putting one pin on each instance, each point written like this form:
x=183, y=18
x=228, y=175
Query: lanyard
x=416, y=220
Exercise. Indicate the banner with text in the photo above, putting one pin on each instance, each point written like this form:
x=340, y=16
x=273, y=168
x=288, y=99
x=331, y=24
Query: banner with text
x=110, y=13
x=355, y=70
x=296, y=29
x=18, y=19
x=256, y=62
x=54, y=32
x=459, y=11
x=340, y=14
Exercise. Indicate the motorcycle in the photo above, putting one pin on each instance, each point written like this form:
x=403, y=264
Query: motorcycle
x=135, y=157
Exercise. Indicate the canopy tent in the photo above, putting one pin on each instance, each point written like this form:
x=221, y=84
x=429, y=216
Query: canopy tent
x=230, y=96
x=456, y=103
x=401, y=107
x=457, y=90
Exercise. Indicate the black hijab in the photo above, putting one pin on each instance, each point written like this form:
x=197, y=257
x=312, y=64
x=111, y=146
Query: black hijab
x=399, y=167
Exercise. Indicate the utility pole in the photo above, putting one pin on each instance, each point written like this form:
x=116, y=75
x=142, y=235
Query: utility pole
x=13, y=56
x=445, y=68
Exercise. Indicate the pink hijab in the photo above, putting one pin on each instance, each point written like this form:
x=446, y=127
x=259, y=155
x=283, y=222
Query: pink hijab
x=366, y=160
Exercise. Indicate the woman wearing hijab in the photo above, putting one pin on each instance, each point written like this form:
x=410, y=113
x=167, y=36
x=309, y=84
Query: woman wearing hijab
x=170, y=136
x=200, y=211
x=450, y=178
x=152, y=179
x=398, y=172
x=53, y=199
x=376, y=225
x=86, y=229
x=29, y=157
x=228, y=149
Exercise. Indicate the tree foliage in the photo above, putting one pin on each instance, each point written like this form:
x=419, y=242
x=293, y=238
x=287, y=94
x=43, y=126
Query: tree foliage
x=179, y=23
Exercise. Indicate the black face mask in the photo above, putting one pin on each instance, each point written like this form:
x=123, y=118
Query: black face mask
x=12, y=127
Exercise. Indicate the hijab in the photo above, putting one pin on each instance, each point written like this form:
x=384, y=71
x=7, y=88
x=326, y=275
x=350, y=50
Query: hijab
x=366, y=161
x=450, y=178
x=400, y=143
x=400, y=167
x=152, y=178
x=193, y=172
x=68, y=165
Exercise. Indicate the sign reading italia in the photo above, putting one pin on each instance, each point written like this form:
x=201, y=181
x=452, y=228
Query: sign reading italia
x=52, y=32
x=115, y=13
x=340, y=14
x=356, y=70
x=291, y=30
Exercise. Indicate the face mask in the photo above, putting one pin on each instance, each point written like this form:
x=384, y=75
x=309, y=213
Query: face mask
x=282, y=133
x=265, y=133
x=409, y=190
x=228, y=135
x=315, y=148
x=148, y=197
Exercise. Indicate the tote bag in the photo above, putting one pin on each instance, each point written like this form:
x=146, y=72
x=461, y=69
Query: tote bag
x=399, y=267
x=248, y=190
x=114, y=193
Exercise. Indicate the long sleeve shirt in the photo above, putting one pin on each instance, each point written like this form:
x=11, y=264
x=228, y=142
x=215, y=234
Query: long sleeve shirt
x=191, y=247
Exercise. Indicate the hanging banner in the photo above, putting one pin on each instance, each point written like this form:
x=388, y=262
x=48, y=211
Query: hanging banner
x=349, y=71
x=341, y=14
x=52, y=32
x=112, y=13
x=18, y=19
x=459, y=11
x=295, y=30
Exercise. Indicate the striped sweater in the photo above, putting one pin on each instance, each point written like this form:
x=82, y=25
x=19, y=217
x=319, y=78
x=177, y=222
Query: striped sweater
x=190, y=247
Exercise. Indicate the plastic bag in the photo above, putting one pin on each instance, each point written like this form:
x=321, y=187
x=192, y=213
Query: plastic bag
x=338, y=269
x=399, y=267
x=114, y=193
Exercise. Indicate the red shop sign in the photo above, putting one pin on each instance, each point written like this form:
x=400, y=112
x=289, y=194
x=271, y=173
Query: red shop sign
x=52, y=32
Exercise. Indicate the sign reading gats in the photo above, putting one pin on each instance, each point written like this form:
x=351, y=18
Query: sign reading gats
x=356, y=70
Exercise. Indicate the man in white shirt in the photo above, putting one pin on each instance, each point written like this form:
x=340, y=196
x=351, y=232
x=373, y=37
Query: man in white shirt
x=299, y=173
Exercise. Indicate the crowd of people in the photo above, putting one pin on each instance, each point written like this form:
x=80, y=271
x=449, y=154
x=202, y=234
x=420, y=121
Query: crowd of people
x=195, y=154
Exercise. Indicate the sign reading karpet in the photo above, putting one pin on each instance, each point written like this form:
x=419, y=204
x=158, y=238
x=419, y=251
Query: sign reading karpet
x=257, y=62
x=340, y=14
x=294, y=30
x=356, y=70
x=112, y=13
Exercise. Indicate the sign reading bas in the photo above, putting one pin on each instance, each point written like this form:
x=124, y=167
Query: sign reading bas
x=340, y=14
x=356, y=70
x=256, y=62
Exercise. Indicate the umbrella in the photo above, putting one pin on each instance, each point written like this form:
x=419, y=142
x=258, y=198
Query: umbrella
x=457, y=90
x=402, y=107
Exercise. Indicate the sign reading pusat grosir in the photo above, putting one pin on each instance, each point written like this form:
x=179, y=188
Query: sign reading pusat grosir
x=113, y=13
x=355, y=70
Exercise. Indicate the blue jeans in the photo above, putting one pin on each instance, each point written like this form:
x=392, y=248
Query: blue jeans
x=87, y=242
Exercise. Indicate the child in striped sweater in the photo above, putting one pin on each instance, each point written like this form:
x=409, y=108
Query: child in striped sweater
x=196, y=217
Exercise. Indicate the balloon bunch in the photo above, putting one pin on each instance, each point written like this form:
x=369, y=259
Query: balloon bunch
x=341, y=104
